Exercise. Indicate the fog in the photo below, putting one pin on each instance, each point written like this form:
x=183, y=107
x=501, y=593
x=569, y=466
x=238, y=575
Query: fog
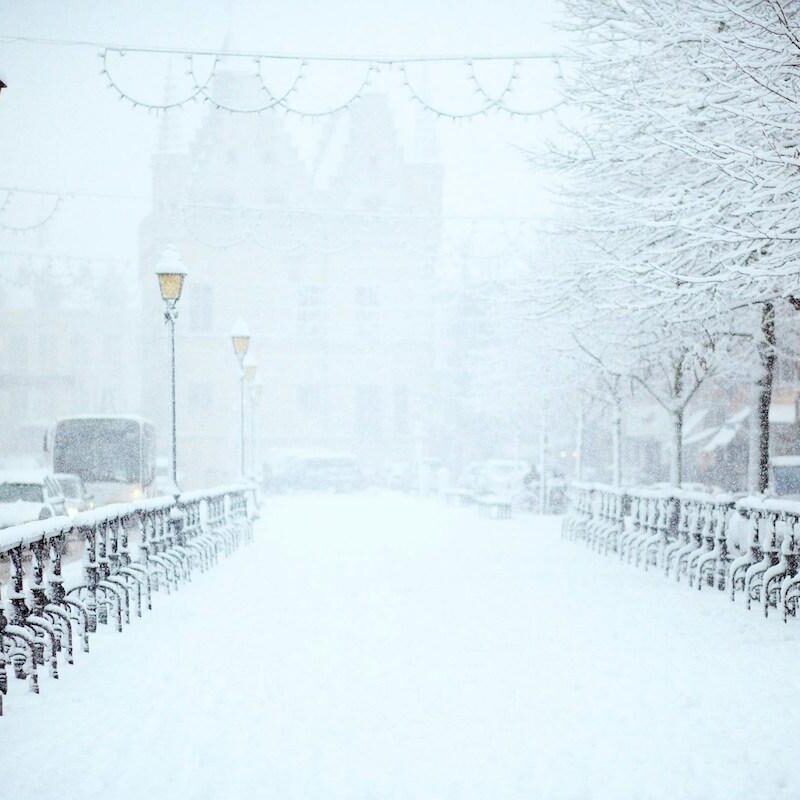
x=417, y=387
x=356, y=245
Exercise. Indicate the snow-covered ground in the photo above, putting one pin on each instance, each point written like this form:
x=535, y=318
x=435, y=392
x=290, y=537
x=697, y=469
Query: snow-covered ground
x=382, y=647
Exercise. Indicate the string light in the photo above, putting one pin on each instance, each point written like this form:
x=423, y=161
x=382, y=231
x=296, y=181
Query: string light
x=58, y=199
x=196, y=92
x=202, y=89
x=355, y=97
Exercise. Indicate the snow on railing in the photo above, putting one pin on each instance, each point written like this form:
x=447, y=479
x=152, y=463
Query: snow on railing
x=727, y=541
x=62, y=577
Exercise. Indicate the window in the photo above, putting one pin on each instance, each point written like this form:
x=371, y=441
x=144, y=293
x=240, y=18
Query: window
x=368, y=411
x=21, y=492
x=201, y=315
x=310, y=321
x=401, y=409
x=367, y=311
x=308, y=399
x=201, y=397
x=789, y=371
x=20, y=351
x=46, y=360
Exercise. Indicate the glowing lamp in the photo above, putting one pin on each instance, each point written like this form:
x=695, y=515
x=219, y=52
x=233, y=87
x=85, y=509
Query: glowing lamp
x=170, y=275
x=240, y=336
x=250, y=366
x=171, y=285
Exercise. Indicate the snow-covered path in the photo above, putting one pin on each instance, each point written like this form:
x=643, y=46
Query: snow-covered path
x=382, y=647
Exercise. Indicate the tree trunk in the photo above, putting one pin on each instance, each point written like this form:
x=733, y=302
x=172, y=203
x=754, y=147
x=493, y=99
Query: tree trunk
x=753, y=434
x=766, y=354
x=579, y=444
x=676, y=467
x=616, y=444
x=542, y=465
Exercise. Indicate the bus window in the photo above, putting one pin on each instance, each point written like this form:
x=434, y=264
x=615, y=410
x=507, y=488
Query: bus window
x=113, y=451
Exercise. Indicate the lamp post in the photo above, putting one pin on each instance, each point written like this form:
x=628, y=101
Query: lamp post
x=170, y=282
x=240, y=338
x=256, y=393
x=249, y=368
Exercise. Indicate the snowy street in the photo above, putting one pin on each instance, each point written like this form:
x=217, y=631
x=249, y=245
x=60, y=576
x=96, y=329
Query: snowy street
x=376, y=646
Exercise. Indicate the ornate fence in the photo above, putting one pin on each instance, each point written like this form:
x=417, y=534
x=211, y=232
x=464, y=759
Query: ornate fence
x=62, y=577
x=748, y=545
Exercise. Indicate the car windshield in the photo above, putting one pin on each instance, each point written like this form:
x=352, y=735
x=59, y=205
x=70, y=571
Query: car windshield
x=24, y=492
x=506, y=469
x=787, y=480
x=327, y=464
x=70, y=487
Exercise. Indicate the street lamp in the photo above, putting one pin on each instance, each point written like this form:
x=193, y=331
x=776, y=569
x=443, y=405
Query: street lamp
x=170, y=282
x=250, y=368
x=256, y=393
x=240, y=338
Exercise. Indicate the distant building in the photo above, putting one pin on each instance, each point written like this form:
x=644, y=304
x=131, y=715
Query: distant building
x=336, y=280
x=67, y=345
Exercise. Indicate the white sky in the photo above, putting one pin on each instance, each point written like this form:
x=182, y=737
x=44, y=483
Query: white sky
x=61, y=129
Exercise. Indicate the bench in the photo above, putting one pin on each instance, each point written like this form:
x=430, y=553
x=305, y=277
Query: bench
x=493, y=505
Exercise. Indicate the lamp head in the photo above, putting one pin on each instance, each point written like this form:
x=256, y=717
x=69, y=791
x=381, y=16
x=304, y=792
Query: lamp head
x=240, y=337
x=171, y=285
x=250, y=367
x=170, y=275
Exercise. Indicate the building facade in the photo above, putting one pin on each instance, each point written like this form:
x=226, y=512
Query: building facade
x=335, y=279
x=67, y=345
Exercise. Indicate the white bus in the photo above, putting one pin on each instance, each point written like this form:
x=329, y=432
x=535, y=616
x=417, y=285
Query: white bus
x=114, y=455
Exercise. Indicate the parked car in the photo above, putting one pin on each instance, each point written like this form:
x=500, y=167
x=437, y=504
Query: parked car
x=338, y=473
x=27, y=495
x=504, y=476
x=399, y=475
x=471, y=478
x=76, y=498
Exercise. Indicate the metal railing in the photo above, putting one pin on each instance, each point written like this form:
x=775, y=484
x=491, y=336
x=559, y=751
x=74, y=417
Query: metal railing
x=748, y=545
x=63, y=577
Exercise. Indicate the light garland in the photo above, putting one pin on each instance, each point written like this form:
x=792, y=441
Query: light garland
x=197, y=89
x=355, y=97
x=58, y=199
x=201, y=89
x=490, y=103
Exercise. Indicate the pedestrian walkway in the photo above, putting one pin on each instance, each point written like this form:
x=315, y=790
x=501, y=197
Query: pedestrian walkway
x=376, y=646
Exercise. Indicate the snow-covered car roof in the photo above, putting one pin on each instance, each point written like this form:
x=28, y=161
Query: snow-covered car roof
x=505, y=463
x=24, y=475
x=18, y=513
x=126, y=417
